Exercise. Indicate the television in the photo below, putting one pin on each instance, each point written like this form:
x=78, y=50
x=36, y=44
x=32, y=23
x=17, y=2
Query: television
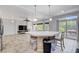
x=22, y=28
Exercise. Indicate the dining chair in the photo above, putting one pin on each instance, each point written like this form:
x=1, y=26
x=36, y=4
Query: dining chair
x=60, y=39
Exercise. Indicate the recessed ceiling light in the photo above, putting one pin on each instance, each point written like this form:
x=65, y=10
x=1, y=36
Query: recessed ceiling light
x=35, y=19
x=50, y=19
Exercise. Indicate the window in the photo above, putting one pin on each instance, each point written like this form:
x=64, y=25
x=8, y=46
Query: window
x=41, y=26
x=62, y=26
x=69, y=27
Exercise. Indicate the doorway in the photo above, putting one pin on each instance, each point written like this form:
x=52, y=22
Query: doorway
x=69, y=27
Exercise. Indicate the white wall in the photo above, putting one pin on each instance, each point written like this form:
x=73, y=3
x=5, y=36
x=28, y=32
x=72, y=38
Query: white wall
x=10, y=27
x=30, y=26
x=53, y=25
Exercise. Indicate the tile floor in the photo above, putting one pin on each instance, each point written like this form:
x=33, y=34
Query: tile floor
x=21, y=44
x=70, y=47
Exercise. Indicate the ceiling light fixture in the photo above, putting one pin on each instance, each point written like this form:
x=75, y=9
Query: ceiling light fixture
x=35, y=19
x=50, y=19
x=49, y=13
x=35, y=13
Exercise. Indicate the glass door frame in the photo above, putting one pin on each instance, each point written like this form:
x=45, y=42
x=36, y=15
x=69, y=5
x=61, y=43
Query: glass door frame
x=66, y=25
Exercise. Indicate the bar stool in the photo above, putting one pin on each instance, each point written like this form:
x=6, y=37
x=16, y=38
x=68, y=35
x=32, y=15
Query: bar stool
x=33, y=43
x=61, y=40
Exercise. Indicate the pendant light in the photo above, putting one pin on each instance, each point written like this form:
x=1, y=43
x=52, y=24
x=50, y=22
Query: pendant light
x=35, y=19
x=49, y=13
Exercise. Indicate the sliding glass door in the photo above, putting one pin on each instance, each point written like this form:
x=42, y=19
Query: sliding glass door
x=69, y=27
x=72, y=29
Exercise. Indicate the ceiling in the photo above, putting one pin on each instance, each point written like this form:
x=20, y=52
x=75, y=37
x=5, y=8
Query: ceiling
x=28, y=11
